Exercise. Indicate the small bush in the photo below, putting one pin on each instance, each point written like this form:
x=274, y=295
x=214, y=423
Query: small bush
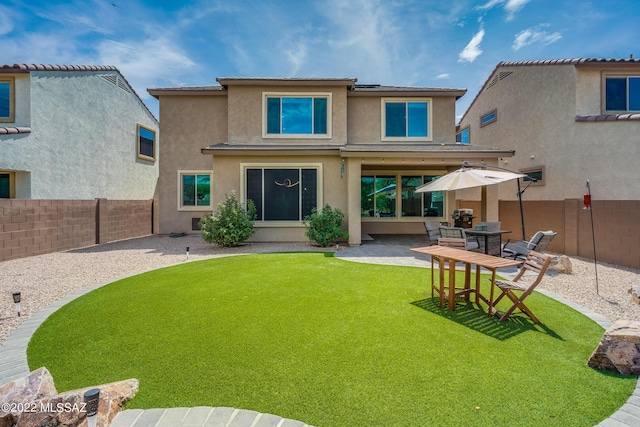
x=231, y=225
x=325, y=227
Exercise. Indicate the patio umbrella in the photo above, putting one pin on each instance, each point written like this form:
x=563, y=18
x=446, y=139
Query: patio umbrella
x=470, y=178
x=467, y=178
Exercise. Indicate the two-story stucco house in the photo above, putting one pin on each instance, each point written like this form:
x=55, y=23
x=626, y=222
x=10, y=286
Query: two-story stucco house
x=292, y=144
x=569, y=121
x=74, y=132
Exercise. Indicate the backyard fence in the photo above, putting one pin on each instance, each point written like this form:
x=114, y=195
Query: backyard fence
x=616, y=223
x=36, y=227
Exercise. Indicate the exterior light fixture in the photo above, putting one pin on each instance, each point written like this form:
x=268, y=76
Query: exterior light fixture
x=187, y=253
x=16, y=300
x=92, y=399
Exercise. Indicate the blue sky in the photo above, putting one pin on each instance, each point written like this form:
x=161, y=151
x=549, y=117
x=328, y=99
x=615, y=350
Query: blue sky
x=453, y=43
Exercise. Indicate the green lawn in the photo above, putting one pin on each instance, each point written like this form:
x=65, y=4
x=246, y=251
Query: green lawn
x=329, y=342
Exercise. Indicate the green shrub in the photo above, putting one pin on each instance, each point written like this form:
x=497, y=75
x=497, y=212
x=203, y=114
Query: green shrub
x=325, y=227
x=231, y=225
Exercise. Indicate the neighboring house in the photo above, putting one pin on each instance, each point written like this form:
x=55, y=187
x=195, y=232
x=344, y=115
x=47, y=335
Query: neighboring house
x=292, y=144
x=74, y=132
x=569, y=121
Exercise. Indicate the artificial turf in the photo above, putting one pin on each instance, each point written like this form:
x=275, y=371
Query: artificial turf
x=328, y=342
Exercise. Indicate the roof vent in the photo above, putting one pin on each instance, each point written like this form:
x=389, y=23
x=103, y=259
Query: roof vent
x=115, y=80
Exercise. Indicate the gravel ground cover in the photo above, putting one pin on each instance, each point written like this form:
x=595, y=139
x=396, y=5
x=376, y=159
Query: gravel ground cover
x=46, y=278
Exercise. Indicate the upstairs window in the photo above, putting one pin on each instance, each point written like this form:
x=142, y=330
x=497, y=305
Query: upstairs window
x=406, y=119
x=146, y=143
x=622, y=93
x=489, y=118
x=463, y=136
x=303, y=115
x=7, y=99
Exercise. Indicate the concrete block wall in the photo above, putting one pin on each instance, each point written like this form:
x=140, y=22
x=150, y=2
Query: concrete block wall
x=36, y=227
x=616, y=225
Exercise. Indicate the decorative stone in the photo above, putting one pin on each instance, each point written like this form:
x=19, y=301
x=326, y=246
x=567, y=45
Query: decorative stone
x=619, y=349
x=635, y=294
x=36, y=385
x=561, y=264
x=36, y=402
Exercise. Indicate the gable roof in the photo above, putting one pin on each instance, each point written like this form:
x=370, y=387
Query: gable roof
x=28, y=68
x=576, y=62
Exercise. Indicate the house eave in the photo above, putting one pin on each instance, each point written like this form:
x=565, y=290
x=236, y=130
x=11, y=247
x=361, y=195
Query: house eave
x=362, y=150
x=188, y=90
x=226, y=149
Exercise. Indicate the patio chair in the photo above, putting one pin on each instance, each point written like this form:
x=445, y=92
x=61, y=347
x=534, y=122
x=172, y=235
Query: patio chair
x=433, y=231
x=537, y=263
x=440, y=288
x=459, y=233
x=520, y=249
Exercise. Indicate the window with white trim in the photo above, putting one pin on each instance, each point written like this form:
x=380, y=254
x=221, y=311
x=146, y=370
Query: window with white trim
x=7, y=99
x=194, y=191
x=282, y=193
x=406, y=119
x=296, y=115
x=622, y=94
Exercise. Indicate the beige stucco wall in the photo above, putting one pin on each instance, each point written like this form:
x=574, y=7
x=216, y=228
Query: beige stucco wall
x=187, y=123
x=537, y=106
x=365, y=115
x=245, y=114
x=227, y=177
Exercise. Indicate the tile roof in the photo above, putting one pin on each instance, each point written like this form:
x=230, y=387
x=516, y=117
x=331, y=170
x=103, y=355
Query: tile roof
x=14, y=130
x=349, y=81
x=27, y=68
x=571, y=61
x=609, y=117
x=353, y=88
x=52, y=67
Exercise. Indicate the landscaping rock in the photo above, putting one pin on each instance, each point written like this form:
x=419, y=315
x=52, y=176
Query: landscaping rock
x=635, y=294
x=561, y=264
x=619, y=349
x=36, y=402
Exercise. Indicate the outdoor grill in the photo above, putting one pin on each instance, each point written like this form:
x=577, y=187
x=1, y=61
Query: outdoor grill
x=462, y=218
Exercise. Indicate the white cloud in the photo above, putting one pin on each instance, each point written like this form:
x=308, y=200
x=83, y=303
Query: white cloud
x=510, y=6
x=150, y=60
x=472, y=50
x=6, y=25
x=534, y=35
x=514, y=6
x=443, y=76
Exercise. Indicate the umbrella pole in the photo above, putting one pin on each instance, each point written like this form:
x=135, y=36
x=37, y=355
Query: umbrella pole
x=593, y=236
x=521, y=210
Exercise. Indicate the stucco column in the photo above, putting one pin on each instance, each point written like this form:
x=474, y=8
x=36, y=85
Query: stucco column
x=353, y=189
x=492, y=202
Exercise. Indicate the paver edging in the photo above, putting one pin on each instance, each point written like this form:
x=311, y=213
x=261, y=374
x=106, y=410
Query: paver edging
x=15, y=347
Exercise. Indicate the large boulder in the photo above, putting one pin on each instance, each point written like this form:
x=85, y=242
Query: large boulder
x=561, y=264
x=619, y=349
x=34, y=402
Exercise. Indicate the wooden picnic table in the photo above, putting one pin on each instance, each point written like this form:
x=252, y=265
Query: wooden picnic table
x=453, y=255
